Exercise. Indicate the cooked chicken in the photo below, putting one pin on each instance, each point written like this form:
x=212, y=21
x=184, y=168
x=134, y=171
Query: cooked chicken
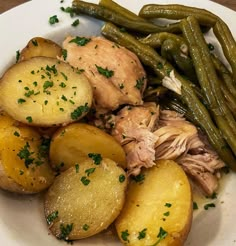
x=133, y=129
x=116, y=74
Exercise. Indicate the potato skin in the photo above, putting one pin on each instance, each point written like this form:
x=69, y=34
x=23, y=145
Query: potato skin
x=162, y=200
x=39, y=46
x=88, y=208
x=45, y=92
x=72, y=144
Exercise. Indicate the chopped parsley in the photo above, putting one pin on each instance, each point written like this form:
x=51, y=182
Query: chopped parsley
x=159, y=65
x=26, y=155
x=53, y=19
x=85, y=227
x=195, y=206
x=63, y=97
x=68, y=10
x=17, y=55
x=90, y=171
x=166, y=213
x=65, y=77
x=97, y=158
x=124, y=235
x=80, y=41
x=51, y=217
x=29, y=119
x=21, y=172
x=75, y=23
x=168, y=205
x=47, y=84
x=65, y=231
x=64, y=54
x=140, y=83
x=17, y=134
x=142, y=234
x=104, y=71
x=79, y=111
x=76, y=167
x=34, y=42
x=209, y=205
x=21, y=100
x=84, y=180
x=62, y=85
x=29, y=93
x=121, y=178
x=139, y=178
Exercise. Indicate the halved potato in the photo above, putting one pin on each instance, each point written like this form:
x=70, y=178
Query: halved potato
x=45, y=92
x=73, y=143
x=158, y=208
x=24, y=166
x=39, y=46
x=85, y=199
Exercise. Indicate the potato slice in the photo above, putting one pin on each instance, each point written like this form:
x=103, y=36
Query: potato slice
x=24, y=165
x=73, y=143
x=39, y=46
x=158, y=208
x=45, y=92
x=85, y=199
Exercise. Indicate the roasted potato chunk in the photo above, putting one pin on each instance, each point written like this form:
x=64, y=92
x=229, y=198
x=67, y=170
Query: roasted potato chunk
x=24, y=164
x=158, y=207
x=85, y=199
x=45, y=92
x=73, y=143
x=39, y=46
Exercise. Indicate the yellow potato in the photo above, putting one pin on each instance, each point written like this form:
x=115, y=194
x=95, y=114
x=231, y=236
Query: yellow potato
x=73, y=143
x=85, y=199
x=24, y=167
x=158, y=210
x=39, y=46
x=45, y=92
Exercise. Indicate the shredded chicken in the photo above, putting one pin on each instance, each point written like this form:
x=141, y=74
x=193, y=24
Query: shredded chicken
x=133, y=129
x=115, y=73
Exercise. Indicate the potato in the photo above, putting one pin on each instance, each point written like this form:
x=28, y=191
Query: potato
x=85, y=199
x=45, y=92
x=24, y=166
x=158, y=210
x=73, y=143
x=39, y=46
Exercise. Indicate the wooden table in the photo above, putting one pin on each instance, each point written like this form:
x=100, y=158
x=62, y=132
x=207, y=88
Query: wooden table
x=7, y=4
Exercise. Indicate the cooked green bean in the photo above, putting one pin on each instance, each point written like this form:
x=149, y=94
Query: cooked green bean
x=171, y=51
x=230, y=99
x=208, y=80
x=177, y=12
x=165, y=71
x=228, y=44
x=100, y=12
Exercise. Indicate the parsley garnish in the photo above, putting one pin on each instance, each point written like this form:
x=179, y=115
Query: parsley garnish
x=63, y=97
x=161, y=235
x=29, y=119
x=51, y=217
x=80, y=41
x=195, y=206
x=68, y=10
x=29, y=93
x=121, y=178
x=17, y=55
x=97, y=158
x=34, y=42
x=76, y=167
x=142, y=234
x=79, y=111
x=53, y=20
x=85, y=227
x=47, y=84
x=168, y=205
x=64, y=54
x=124, y=235
x=140, y=83
x=65, y=77
x=65, y=231
x=75, y=23
x=105, y=72
x=90, y=171
x=21, y=172
x=62, y=85
x=84, y=180
x=26, y=155
x=139, y=178
x=21, y=100
x=17, y=134
x=209, y=205
x=166, y=213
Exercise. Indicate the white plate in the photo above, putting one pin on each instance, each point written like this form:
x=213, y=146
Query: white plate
x=22, y=221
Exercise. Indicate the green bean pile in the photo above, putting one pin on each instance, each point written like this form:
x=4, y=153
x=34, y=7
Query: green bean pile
x=179, y=58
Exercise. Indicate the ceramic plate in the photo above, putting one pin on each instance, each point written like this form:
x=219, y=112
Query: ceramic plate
x=22, y=221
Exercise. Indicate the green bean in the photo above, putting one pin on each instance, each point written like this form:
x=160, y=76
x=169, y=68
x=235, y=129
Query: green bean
x=208, y=80
x=176, y=12
x=224, y=74
x=230, y=99
x=228, y=44
x=164, y=70
x=171, y=51
x=100, y=12
x=155, y=40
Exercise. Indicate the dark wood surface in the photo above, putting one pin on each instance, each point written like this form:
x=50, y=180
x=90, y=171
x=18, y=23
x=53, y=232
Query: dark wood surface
x=8, y=4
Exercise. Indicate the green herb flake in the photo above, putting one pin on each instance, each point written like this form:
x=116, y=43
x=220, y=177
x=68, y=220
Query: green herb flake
x=29, y=119
x=166, y=214
x=26, y=155
x=168, y=205
x=65, y=77
x=104, y=71
x=209, y=205
x=51, y=217
x=76, y=167
x=80, y=41
x=29, y=93
x=53, y=20
x=90, y=171
x=139, y=178
x=75, y=23
x=121, y=178
x=47, y=84
x=19, y=80
x=21, y=172
x=62, y=85
x=17, y=55
x=45, y=102
x=97, y=158
x=17, y=134
x=68, y=10
x=64, y=54
x=124, y=235
x=63, y=97
x=71, y=101
x=159, y=65
x=195, y=206
x=210, y=47
x=34, y=42
x=140, y=83
x=79, y=111
x=35, y=83
x=32, y=72
x=142, y=234
x=85, y=227
x=65, y=231
x=85, y=180
x=61, y=109
x=21, y=100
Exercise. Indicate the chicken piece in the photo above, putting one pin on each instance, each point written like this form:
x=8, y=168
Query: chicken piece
x=133, y=130
x=115, y=73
